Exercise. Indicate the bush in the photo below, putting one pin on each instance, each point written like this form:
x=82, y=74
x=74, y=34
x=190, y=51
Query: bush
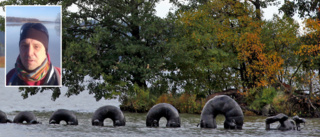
x=139, y=100
x=280, y=103
x=185, y=102
x=258, y=99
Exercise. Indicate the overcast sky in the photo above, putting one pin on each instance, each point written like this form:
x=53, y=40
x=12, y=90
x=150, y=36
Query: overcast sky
x=163, y=8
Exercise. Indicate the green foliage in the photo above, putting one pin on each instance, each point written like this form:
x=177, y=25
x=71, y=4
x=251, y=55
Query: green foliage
x=184, y=103
x=137, y=100
x=280, y=37
x=304, y=8
x=257, y=98
x=121, y=48
x=117, y=42
x=202, y=60
x=34, y=90
x=226, y=48
x=280, y=103
x=189, y=103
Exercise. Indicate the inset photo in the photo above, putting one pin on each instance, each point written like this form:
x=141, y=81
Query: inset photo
x=33, y=41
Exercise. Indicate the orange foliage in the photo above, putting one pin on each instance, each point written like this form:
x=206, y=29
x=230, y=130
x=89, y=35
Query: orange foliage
x=164, y=98
x=231, y=26
x=280, y=103
x=259, y=62
x=310, y=51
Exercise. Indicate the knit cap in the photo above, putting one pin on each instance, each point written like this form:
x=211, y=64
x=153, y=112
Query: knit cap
x=35, y=31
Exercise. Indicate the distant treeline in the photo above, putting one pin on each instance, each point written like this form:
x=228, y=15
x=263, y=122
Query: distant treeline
x=19, y=19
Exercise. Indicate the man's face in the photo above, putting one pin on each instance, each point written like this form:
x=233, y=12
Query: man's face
x=32, y=53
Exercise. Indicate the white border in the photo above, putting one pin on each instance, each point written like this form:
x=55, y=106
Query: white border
x=5, y=44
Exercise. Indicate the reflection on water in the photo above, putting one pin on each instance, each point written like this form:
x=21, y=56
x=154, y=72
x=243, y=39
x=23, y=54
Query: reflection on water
x=57, y=28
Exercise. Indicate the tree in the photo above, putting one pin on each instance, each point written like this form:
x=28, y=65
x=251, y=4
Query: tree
x=308, y=52
x=108, y=46
x=281, y=37
x=123, y=45
x=219, y=46
x=258, y=4
x=200, y=62
x=305, y=8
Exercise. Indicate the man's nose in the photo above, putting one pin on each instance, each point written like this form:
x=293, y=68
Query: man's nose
x=29, y=50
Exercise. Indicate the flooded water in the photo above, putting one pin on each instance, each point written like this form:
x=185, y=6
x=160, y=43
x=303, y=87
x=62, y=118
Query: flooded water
x=11, y=100
x=84, y=106
x=135, y=126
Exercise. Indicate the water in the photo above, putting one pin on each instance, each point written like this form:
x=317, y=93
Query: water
x=11, y=100
x=12, y=43
x=84, y=106
x=135, y=126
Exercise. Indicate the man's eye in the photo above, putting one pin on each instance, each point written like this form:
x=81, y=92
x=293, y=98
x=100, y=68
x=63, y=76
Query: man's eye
x=24, y=46
x=36, y=46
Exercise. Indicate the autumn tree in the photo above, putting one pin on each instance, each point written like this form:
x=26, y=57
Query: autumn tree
x=281, y=37
x=307, y=78
x=219, y=45
x=309, y=10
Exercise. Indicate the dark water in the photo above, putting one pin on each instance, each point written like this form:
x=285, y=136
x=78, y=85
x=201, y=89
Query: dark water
x=135, y=126
x=12, y=43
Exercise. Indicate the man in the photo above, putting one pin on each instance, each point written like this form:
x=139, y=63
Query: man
x=33, y=66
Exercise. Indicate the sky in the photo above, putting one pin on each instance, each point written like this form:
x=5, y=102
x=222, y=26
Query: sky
x=43, y=13
x=163, y=7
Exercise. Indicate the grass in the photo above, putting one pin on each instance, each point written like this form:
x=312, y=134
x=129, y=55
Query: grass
x=2, y=61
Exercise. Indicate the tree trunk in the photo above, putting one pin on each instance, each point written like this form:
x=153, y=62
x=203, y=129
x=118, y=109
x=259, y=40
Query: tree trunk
x=310, y=85
x=257, y=5
x=243, y=74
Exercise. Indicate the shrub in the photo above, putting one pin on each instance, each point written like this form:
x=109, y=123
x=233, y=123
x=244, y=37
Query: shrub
x=280, y=103
x=185, y=102
x=261, y=98
x=139, y=100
